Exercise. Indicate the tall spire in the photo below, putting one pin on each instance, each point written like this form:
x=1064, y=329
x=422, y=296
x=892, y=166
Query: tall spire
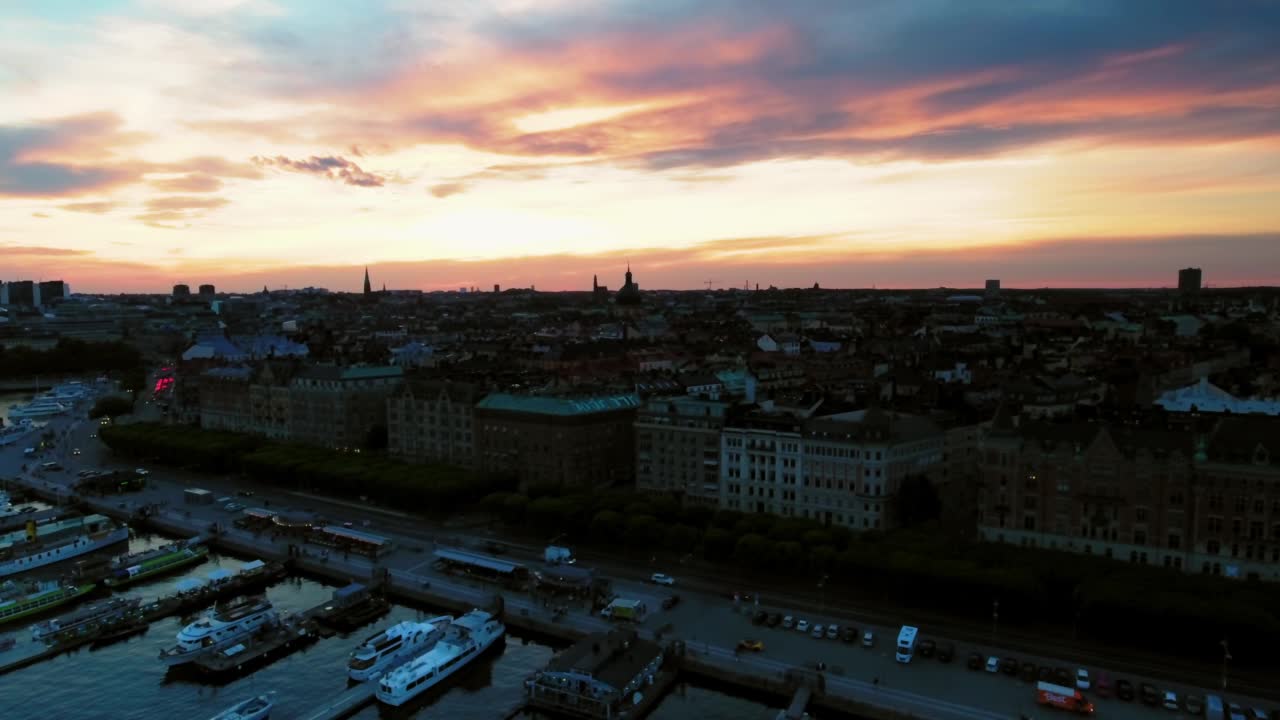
x=368, y=289
x=595, y=283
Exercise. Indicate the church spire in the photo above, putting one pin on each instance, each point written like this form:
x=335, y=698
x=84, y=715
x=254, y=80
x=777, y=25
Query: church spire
x=368, y=289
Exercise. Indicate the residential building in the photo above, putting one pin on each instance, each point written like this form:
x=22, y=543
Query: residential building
x=340, y=406
x=575, y=440
x=678, y=447
x=433, y=421
x=1189, y=281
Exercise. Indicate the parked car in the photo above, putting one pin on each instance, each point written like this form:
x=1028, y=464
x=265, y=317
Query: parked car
x=1103, y=685
x=849, y=634
x=751, y=645
x=1124, y=690
x=245, y=493
x=946, y=651
x=75, y=451
x=1150, y=696
x=775, y=619
x=993, y=664
x=1193, y=704
x=1082, y=679
x=141, y=471
x=1235, y=712
x=1029, y=671
x=868, y=639
x=1260, y=714
x=833, y=632
x=819, y=631
x=802, y=626
x=233, y=507
x=1009, y=666
x=926, y=648
x=759, y=618
x=788, y=622
x=975, y=661
x=662, y=579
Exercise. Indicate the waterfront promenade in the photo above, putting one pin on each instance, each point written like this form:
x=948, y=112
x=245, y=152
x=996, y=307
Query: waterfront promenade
x=867, y=680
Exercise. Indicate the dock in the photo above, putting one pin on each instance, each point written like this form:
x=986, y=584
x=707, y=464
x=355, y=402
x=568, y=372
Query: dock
x=345, y=703
x=51, y=651
x=271, y=645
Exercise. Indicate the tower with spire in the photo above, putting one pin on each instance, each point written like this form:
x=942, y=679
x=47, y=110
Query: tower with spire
x=368, y=289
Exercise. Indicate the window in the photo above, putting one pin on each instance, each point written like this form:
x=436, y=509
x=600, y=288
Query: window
x=1140, y=514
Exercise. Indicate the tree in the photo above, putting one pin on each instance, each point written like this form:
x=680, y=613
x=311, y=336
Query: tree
x=111, y=406
x=917, y=501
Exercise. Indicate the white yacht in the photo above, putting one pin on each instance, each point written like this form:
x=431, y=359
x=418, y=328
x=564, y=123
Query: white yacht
x=465, y=639
x=393, y=646
x=13, y=432
x=258, y=708
x=221, y=627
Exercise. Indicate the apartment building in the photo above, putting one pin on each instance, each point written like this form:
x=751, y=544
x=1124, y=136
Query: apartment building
x=433, y=421
x=586, y=441
x=678, y=447
x=339, y=406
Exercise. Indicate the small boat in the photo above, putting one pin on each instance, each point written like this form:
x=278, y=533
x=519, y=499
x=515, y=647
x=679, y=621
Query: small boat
x=86, y=620
x=258, y=708
x=390, y=648
x=466, y=639
x=18, y=601
x=221, y=628
x=139, y=566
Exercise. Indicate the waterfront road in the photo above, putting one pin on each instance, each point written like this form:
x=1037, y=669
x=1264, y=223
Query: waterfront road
x=706, y=618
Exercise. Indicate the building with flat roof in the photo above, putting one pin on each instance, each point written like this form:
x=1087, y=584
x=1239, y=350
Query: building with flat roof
x=574, y=440
x=678, y=447
x=599, y=676
x=1189, y=281
x=433, y=421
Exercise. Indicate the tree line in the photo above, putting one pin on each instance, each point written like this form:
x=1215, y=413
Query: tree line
x=69, y=356
x=432, y=489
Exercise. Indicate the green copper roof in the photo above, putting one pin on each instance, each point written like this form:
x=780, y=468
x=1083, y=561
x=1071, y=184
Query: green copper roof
x=558, y=406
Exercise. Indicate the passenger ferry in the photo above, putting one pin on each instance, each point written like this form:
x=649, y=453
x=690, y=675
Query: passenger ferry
x=221, y=627
x=466, y=638
x=38, y=546
x=38, y=408
x=393, y=646
x=19, y=601
x=139, y=566
x=86, y=620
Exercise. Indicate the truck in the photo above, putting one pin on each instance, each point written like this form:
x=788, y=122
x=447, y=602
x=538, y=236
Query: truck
x=619, y=609
x=556, y=555
x=906, y=643
x=1063, y=698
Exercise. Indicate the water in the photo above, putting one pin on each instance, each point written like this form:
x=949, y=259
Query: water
x=125, y=681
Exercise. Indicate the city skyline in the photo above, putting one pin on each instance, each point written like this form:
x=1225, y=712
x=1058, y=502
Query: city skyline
x=886, y=144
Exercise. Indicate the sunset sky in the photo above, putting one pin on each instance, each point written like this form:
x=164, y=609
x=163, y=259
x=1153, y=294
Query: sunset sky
x=895, y=143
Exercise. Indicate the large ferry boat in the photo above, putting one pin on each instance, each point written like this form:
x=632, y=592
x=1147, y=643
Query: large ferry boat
x=392, y=647
x=18, y=601
x=38, y=546
x=466, y=638
x=221, y=627
x=139, y=566
x=258, y=708
x=86, y=620
x=38, y=408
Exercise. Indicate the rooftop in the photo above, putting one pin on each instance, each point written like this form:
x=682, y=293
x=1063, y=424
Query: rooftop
x=543, y=405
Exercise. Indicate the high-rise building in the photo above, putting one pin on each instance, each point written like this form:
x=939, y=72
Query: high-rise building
x=1189, y=281
x=207, y=291
x=181, y=291
x=20, y=292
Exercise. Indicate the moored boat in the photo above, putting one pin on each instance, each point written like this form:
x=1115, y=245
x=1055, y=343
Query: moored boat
x=87, y=620
x=40, y=545
x=388, y=649
x=139, y=566
x=258, y=708
x=221, y=627
x=19, y=601
x=465, y=639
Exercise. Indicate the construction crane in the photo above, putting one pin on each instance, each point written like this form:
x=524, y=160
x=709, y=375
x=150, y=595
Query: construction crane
x=709, y=282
